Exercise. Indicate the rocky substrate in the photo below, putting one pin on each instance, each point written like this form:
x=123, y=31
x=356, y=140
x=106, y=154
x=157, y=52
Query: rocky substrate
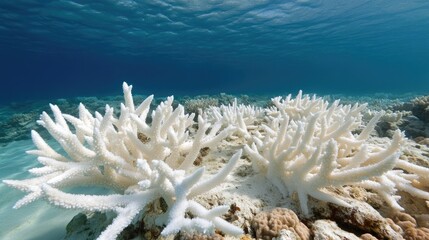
x=263, y=213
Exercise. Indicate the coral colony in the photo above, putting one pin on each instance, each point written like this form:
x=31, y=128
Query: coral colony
x=303, y=146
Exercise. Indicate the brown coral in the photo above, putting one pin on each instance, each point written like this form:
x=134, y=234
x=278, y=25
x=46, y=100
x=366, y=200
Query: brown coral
x=267, y=225
x=411, y=231
x=416, y=234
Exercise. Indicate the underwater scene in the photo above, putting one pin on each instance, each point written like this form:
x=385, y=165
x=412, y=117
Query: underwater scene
x=235, y=119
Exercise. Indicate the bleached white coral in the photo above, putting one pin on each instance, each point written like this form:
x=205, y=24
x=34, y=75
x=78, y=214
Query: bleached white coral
x=308, y=145
x=305, y=146
x=296, y=108
x=241, y=116
x=141, y=159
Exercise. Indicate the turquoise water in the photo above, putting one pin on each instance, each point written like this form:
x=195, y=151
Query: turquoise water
x=38, y=220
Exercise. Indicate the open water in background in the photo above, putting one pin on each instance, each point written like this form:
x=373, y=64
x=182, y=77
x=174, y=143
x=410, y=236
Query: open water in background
x=56, y=49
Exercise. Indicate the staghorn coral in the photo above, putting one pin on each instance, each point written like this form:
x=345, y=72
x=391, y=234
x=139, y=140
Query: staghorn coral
x=243, y=117
x=308, y=145
x=388, y=123
x=305, y=146
x=102, y=150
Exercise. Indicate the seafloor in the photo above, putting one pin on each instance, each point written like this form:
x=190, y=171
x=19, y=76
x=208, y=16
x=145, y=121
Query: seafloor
x=250, y=200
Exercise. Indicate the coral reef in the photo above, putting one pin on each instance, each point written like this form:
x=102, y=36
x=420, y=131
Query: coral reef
x=420, y=108
x=194, y=105
x=389, y=122
x=170, y=172
x=415, y=124
x=107, y=151
x=243, y=117
x=17, y=127
x=307, y=146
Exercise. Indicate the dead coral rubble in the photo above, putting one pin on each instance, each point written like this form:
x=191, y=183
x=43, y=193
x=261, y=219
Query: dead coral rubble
x=326, y=229
x=363, y=218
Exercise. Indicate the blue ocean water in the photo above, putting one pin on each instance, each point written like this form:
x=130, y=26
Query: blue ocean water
x=53, y=49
